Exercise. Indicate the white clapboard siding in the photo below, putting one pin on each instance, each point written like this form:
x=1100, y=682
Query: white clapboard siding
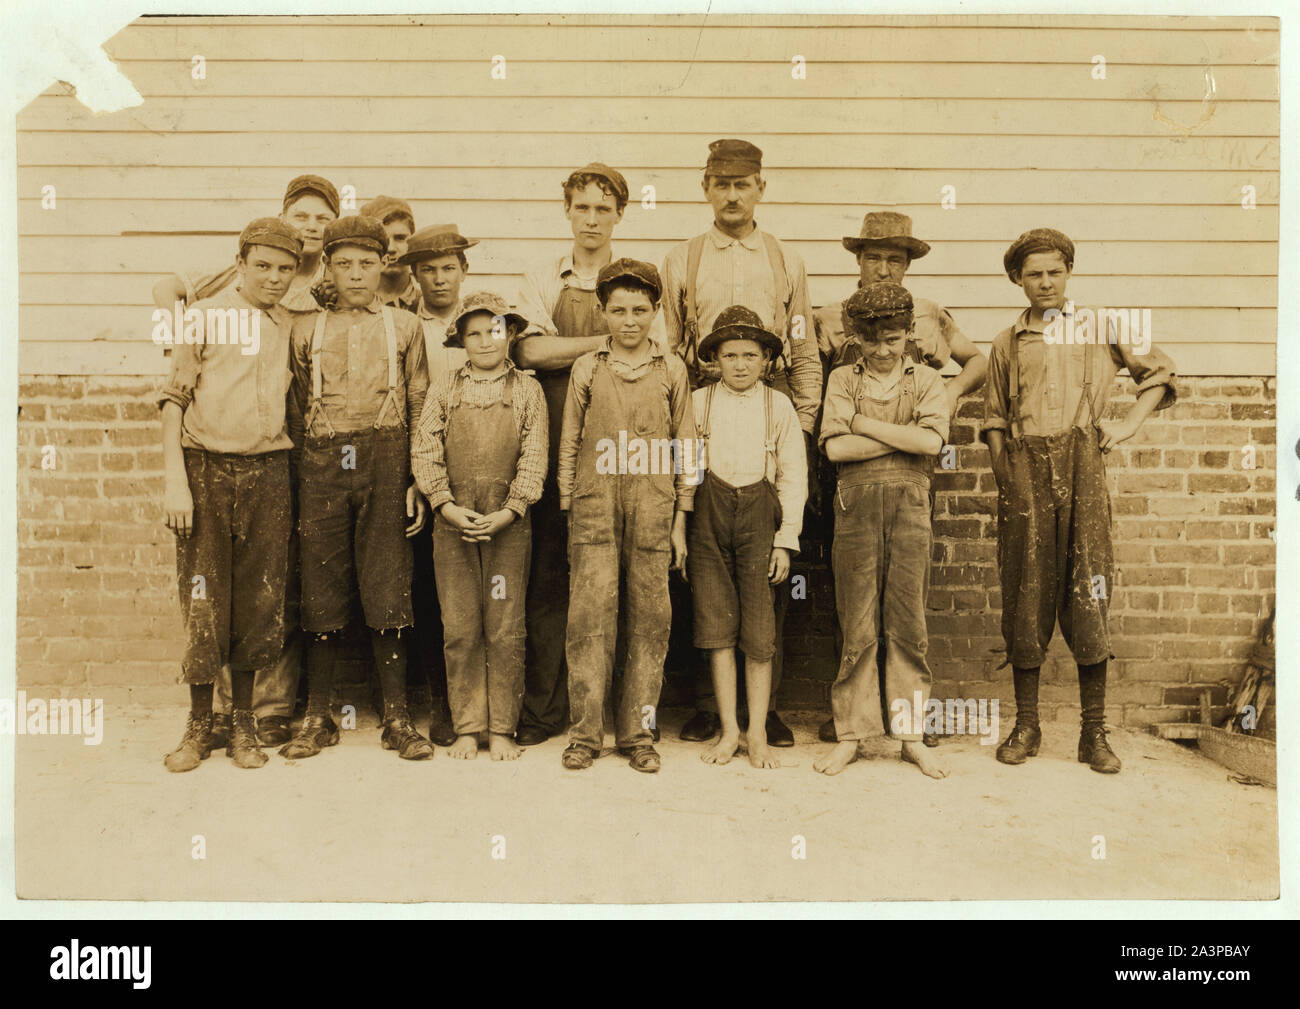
x=1146, y=169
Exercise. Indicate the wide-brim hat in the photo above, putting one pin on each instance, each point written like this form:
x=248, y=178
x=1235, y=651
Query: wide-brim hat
x=494, y=305
x=886, y=227
x=738, y=323
x=434, y=241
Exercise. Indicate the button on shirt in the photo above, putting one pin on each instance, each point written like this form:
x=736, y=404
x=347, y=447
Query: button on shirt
x=1051, y=378
x=737, y=449
x=736, y=271
x=680, y=414
x=232, y=401
x=429, y=447
x=440, y=359
x=933, y=333
x=354, y=370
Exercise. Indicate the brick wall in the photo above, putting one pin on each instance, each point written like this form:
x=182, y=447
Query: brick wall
x=97, y=607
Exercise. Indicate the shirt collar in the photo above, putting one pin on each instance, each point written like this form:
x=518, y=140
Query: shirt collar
x=607, y=345
x=233, y=297
x=570, y=276
x=721, y=240
x=860, y=366
x=749, y=393
x=1022, y=322
x=424, y=313
x=465, y=370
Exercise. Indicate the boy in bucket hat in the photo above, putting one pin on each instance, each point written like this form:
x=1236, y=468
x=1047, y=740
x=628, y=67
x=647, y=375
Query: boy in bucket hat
x=479, y=456
x=226, y=453
x=885, y=418
x=359, y=385
x=626, y=479
x=436, y=259
x=1043, y=409
x=748, y=511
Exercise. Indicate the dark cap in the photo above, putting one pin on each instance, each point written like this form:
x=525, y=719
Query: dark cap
x=313, y=184
x=1037, y=240
x=434, y=241
x=357, y=229
x=616, y=181
x=644, y=272
x=273, y=232
x=882, y=300
x=494, y=305
x=886, y=227
x=733, y=158
x=738, y=323
x=382, y=208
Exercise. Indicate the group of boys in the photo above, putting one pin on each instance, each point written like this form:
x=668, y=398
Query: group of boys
x=517, y=487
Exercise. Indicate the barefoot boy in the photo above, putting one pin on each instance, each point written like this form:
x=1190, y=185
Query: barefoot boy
x=747, y=513
x=627, y=418
x=479, y=456
x=359, y=378
x=885, y=418
x=226, y=452
x=1043, y=405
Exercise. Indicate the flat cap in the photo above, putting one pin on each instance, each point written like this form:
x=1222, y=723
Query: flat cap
x=878, y=301
x=738, y=323
x=312, y=184
x=634, y=268
x=273, y=232
x=492, y=303
x=886, y=227
x=356, y=229
x=381, y=208
x=733, y=158
x=1037, y=240
x=616, y=181
x=433, y=241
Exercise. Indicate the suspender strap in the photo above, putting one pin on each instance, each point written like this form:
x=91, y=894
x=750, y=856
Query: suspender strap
x=690, y=321
x=781, y=287
x=708, y=410
x=1087, y=387
x=317, y=406
x=390, y=341
x=1013, y=385
x=769, y=435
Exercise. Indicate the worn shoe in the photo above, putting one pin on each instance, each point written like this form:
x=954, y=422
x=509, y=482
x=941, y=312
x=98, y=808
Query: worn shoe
x=531, y=735
x=195, y=745
x=273, y=730
x=1096, y=752
x=314, y=734
x=243, y=748
x=827, y=732
x=642, y=758
x=220, y=730
x=400, y=734
x=440, y=731
x=703, y=725
x=1022, y=744
x=778, y=733
x=577, y=757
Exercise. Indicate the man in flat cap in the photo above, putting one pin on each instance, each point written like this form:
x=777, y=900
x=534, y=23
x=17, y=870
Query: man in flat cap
x=737, y=263
x=884, y=250
x=310, y=203
x=436, y=259
x=227, y=494
x=565, y=321
x=397, y=287
x=359, y=383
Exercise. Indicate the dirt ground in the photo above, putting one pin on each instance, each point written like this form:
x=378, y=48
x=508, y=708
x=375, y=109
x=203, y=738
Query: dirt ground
x=357, y=823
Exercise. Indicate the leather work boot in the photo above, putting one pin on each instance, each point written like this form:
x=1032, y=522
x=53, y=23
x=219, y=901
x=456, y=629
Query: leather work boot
x=220, y=730
x=1022, y=744
x=1096, y=752
x=244, y=749
x=273, y=730
x=400, y=734
x=195, y=745
x=314, y=734
x=702, y=725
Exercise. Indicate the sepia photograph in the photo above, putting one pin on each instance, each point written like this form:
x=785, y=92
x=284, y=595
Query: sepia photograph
x=624, y=458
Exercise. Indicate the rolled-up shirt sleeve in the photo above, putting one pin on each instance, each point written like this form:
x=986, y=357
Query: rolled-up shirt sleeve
x=187, y=362
x=530, y=474
x=839, y=408
x=931, y=411
x=535, y=306
x=996, y=392
x=1149, y=370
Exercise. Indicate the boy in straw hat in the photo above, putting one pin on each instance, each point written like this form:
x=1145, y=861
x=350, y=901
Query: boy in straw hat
x=885, y=418
x=1043, y=409
x=747, y=515
x=479, y=456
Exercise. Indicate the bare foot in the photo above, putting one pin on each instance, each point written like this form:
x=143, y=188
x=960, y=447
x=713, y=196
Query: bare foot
x=465, y=747
x=759, y=753
x=723, y=750
x=930, y=766
x=503, y=747
x=840, y=757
